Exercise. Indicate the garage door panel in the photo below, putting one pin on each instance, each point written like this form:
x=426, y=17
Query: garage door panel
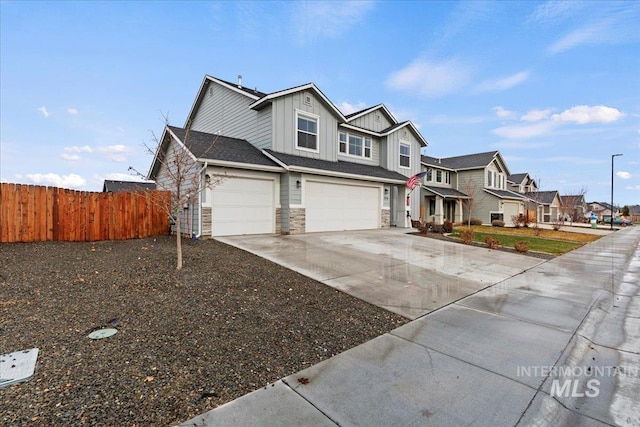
x=335, y=207
x=243, y=206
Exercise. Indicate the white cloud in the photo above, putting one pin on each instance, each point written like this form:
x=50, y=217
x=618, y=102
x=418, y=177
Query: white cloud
x=583, y=114
x=553, y=10
x=348, y=108
x=327, y=19
x=536, y=115
x=44, y=111
x=72, y=111
x=70, y=157
x=77, y=149
x=524, y=131
x=429, y=78
x=633, y=187
x=66, y=181
x=115, y=153
x=623, y=175
x=503, y=83
x=502, y=113
x=587, y=35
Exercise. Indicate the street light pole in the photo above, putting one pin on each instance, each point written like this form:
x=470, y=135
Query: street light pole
x=612, y=156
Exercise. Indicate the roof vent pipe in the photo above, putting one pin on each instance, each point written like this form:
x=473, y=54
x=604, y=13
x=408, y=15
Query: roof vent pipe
x=439, y=161
x=239, y=81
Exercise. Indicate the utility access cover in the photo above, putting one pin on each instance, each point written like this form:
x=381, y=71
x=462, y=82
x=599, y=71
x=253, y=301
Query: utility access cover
x=102, y=333
x=17, y=367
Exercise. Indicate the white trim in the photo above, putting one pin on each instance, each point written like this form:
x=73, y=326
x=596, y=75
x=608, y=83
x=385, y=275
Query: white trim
x=311, y=116
x=324, y=172
x=174, y=136
x=359, y=129
x=308, y=86
x=400, y=144
x=372, y=109
x=234, y=88
x=237, y=165
x=275, y=159
x=363, y=146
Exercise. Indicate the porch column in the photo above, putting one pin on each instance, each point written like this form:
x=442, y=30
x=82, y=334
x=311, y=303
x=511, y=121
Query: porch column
x=438, y=217
x=459, y=215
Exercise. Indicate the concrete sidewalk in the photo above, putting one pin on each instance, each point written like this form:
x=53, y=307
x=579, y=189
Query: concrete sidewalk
x=558, y=344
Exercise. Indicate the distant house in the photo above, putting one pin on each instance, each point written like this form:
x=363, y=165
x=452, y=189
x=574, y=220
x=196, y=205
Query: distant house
x=521, y=183
x=574, y=207
x=450, y=183
x=111, y=186
x=602, y=210
x=548, y=205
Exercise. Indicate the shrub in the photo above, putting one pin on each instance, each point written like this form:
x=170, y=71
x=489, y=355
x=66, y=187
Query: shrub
x=447, y=227
x=437, y=228
x=475, y=221
x=492, y=243
x=522, y=247
x=537, y=230
x=467, y=235
x=515, y=220
x=425, y=227
x=415, y=223
x=497, y=223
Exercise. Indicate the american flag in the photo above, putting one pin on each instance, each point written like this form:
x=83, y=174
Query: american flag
x=415, y=180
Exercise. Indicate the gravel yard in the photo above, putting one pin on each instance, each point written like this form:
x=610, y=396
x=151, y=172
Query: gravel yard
x=227, y=324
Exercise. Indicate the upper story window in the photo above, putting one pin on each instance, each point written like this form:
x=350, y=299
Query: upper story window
x=438, y=176
x=405, y=155
x=354, y=145
x=489, y=179
x=307, y=131
x=429, y=176
x=447, y=177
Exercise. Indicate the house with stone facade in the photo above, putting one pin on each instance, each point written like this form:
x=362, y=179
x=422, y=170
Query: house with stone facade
x=289, y=161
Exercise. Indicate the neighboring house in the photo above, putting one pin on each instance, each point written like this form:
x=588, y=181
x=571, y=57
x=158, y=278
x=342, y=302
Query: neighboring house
x=111, y=186
x=547, y=205
x=291, y=162
x=480, y=180
x=574, y=208
x=601, y=209
x=521, y=183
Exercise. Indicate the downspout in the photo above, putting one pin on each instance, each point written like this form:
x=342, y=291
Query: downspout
x=204, y=167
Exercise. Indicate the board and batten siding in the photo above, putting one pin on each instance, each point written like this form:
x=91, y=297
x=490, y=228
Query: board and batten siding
x=393, y=152
x=284, y=126
x=190, y=218
x=369, y=121
x=225, y=112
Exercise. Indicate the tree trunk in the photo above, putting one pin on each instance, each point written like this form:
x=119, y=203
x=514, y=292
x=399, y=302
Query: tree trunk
x=179, y=241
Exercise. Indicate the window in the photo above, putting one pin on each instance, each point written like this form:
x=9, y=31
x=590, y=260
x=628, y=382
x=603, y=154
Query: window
x=367, y=148
x=429, y=175
x=438, y=176
x=307, y=136
x=489, y=176
x=405, y=155
x=343, y=142
x=354, y=145
x=447, y=178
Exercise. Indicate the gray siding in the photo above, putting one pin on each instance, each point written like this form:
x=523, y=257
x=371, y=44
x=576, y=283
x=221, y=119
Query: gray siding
x=263, y=129
x=368, y=121
x=472, y=183
x=226, y=112
x=393, y=152
x=284, y=127
x=295, y=193
x=284, y=203
x=190, y=218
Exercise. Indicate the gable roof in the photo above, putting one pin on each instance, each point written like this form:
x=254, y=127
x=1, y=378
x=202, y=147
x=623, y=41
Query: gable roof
x=446, y=192
x=518, y=178
x=543, y=197
x=575, y=200
x=466, y=162
x=338, y=168
x=311, y=87
x=381, y=107
x=113, y=186
x=505, y=194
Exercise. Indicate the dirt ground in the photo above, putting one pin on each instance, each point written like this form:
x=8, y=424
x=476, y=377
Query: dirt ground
x=188, y=341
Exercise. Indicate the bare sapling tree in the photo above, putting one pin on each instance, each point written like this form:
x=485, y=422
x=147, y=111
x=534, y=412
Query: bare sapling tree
x=474, y=194
x=570, y=206
x=180, y=173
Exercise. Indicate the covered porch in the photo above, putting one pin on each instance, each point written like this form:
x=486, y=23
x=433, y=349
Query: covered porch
x=441, y=204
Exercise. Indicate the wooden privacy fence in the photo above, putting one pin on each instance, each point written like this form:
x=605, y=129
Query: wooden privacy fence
x=30, y=213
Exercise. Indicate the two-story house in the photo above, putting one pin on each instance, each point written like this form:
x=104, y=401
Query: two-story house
x=291, y=162
x=476, y=183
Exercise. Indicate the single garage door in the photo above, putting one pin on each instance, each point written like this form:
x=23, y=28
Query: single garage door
x=335, y=207
x=243, y=206
x=510, y=210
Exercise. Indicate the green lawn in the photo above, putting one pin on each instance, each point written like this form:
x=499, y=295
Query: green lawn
x=536, y=244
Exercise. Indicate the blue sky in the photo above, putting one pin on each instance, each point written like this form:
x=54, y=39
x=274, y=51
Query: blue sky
x=554, y=86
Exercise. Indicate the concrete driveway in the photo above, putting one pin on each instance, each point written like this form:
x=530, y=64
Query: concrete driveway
x=406, y=274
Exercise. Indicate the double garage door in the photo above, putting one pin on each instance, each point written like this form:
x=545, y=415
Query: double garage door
x=332, y=206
